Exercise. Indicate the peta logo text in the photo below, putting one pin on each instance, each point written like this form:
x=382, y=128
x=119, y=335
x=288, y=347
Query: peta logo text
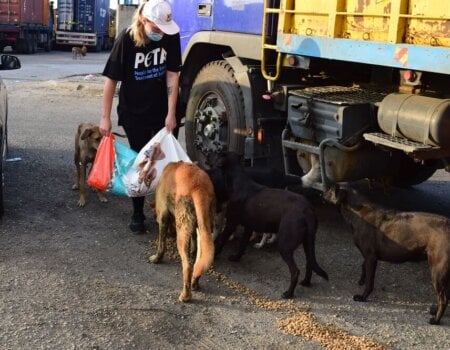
x=153, y=58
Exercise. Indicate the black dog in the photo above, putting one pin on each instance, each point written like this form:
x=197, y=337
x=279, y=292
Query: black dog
x=273, y=178
x=393, y=236
x=262, y=209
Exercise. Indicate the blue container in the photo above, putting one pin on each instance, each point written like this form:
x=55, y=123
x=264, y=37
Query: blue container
x=65, y=15
x=91, y=16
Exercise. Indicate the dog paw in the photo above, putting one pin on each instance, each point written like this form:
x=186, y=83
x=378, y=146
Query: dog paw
x=75, y=187
x=184, y=297
x=258, y=245
x=358, y=297
x=154, y=259
x=305, y=283
x=433, y=321
x=433, y=310
x=103, y=199
x=81, y=202
x=287, y=295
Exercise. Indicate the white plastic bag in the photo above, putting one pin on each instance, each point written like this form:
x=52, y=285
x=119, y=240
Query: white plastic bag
x=146, y=170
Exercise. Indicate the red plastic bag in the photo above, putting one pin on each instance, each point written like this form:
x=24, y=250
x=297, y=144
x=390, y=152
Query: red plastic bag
x=103, y=166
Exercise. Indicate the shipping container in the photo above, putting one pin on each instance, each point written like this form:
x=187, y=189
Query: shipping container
x=83, y=22
x=22, y=11
x=65, y=14
x=26, y=25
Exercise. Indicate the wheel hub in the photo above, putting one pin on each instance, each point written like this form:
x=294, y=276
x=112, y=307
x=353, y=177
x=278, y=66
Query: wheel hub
x=210, y=125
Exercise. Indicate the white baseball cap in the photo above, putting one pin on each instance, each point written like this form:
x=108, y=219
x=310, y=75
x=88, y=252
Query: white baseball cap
x=160, y=13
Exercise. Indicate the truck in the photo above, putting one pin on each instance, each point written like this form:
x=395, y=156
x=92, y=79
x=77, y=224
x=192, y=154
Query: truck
x=26, y=25
x=83, y=23
x=327, y=90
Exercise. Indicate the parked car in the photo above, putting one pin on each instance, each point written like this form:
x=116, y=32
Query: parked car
x=7, y=62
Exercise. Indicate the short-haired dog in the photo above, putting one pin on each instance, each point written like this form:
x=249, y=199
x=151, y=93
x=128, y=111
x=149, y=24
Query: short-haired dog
x=79, y=52
x=389, y=235
x=184, y=198
x=263, y=209
x=87, y=140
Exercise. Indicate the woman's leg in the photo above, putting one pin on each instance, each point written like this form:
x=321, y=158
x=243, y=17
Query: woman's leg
x=138, y=137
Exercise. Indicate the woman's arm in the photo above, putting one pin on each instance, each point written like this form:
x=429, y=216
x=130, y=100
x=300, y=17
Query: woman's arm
x=172, y=96
x=108, y=93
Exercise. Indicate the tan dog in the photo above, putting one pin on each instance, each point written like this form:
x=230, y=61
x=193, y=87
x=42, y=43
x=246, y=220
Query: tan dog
x=87, y=140
x=388, y=235
x=185, y=197
x=79, y=52
x=147, y=172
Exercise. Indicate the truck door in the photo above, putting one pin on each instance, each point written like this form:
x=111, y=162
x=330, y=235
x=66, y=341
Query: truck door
x=192, y=16
x=243, y=16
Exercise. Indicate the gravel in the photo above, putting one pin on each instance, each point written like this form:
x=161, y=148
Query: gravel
x=76, y=278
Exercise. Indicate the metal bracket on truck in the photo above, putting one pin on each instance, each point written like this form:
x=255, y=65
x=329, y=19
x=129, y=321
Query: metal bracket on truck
x=76, y=39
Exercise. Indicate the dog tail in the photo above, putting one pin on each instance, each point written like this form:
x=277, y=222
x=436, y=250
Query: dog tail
x=310, y=250
x=205, y=243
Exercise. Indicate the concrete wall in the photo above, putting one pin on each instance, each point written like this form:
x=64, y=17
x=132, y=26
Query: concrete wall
x=124, y=16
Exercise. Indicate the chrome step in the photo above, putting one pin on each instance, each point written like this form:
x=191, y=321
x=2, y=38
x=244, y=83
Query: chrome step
x=415, y=149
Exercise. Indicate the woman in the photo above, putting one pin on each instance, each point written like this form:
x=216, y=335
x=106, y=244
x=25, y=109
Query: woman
x=146, y=59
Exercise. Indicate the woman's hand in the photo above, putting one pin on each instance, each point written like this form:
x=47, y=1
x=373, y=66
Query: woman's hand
x=171, y=123
x=105, y=126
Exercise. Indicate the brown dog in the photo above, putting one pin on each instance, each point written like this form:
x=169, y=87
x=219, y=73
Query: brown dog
x=185, y=197
x=393, y=236
x=87, y=140
x=79, y=52
x=262, y=209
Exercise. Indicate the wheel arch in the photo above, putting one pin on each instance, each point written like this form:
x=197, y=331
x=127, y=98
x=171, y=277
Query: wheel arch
x=205, y=47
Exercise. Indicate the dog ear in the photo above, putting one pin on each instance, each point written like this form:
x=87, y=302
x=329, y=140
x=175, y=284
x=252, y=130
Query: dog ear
x=86, y=133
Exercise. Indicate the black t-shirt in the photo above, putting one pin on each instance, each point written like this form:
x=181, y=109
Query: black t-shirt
x=142, y=72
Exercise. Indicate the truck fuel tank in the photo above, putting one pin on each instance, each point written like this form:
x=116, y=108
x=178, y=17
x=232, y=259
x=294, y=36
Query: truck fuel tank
x=417, y=118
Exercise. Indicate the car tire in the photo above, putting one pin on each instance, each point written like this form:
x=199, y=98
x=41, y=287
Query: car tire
x=215, y=112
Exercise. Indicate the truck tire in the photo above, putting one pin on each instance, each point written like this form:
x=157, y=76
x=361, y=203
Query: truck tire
x=48, y=43
x=412, y=173
x=29, y=44
x=21, y=46
x=215, y=115
x=34, y=41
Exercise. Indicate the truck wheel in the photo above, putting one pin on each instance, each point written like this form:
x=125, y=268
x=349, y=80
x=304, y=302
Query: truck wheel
x=48, y=44
x=412, y=173
x=215, y=112
x=34, y=41
x=21, y=46
x=28, y=44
